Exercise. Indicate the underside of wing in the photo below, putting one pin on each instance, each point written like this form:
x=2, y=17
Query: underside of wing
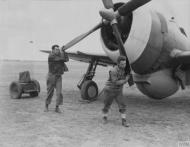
x=87, y=58
x=84, y=57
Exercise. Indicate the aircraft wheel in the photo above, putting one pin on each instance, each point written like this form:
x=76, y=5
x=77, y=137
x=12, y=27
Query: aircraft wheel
x=15, y=90
x=89, y=90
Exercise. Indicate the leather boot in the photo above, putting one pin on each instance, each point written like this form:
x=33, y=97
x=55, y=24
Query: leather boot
x=105, y=120
x=46, y=108
x=124, y=123
x=57, y=109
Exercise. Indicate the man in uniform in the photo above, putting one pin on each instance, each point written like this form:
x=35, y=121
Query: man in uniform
x=57, y=67
x=113, y=89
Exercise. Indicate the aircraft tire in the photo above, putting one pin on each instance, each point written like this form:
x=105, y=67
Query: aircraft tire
x=89, y=90
x=15, y=90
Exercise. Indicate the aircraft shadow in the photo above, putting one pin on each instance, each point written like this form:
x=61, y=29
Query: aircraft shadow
x=176, y=102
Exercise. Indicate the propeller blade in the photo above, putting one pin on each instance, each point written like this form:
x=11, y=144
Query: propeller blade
x=119, y=41
x=45, y=51
x=122, y=52
x=132, y=5
x=81, y=37
x=108, y=4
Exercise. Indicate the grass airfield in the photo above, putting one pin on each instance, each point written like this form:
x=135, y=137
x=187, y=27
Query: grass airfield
x=23, y=123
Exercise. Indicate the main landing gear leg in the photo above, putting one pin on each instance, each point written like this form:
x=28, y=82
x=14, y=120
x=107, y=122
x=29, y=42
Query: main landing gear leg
x=88, y=88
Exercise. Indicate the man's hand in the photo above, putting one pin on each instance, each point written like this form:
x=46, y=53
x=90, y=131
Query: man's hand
x=121, y=82
x=127, y=78
x=62, y=48
x=64, y=56
x=125, y=81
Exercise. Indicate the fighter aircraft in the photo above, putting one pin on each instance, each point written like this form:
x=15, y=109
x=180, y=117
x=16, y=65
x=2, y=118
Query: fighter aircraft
x=157, y=49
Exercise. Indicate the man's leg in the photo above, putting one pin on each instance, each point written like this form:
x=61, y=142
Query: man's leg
x=109, y=97
x=59, y=100
x=50, y=90
x=122, y=108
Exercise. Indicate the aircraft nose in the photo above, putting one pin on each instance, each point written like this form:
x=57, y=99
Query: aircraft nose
x=145, y=41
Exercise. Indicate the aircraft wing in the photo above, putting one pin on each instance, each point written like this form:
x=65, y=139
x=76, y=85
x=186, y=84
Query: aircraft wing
x=85, y=57
x=181, y=57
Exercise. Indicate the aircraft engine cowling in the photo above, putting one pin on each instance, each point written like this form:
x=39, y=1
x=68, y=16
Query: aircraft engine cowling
x=142, y=38
x=107, y=37
x=157, y=85
x=148, y=38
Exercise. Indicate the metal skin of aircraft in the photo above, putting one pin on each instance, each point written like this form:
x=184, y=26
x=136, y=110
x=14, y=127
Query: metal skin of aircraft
x=158, y=51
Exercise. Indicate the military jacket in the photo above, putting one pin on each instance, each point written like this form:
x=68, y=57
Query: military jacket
x=57, y=63
x=115, y=74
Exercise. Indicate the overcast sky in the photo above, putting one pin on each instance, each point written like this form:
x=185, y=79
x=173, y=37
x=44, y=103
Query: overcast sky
x=26, y=26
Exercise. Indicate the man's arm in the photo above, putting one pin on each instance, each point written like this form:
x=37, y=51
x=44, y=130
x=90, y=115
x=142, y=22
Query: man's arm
x=65, y=56
x=121, y=82
x=54, y=58
x=115, y=80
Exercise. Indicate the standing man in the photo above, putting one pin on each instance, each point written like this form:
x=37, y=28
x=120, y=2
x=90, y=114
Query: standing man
x=57, y=67
x=113, y=89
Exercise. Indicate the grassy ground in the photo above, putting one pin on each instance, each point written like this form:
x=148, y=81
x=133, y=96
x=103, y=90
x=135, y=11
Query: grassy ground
x=24, y=124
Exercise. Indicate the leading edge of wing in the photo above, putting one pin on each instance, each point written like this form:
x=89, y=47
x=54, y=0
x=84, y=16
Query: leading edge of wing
x=87, y=58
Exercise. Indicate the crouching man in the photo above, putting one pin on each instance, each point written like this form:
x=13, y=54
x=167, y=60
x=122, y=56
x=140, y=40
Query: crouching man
x=57, y=67
x=113, y=89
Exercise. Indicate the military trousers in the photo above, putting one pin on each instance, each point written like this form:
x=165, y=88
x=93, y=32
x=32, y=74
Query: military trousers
x=111, y=95
x=54, y=82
